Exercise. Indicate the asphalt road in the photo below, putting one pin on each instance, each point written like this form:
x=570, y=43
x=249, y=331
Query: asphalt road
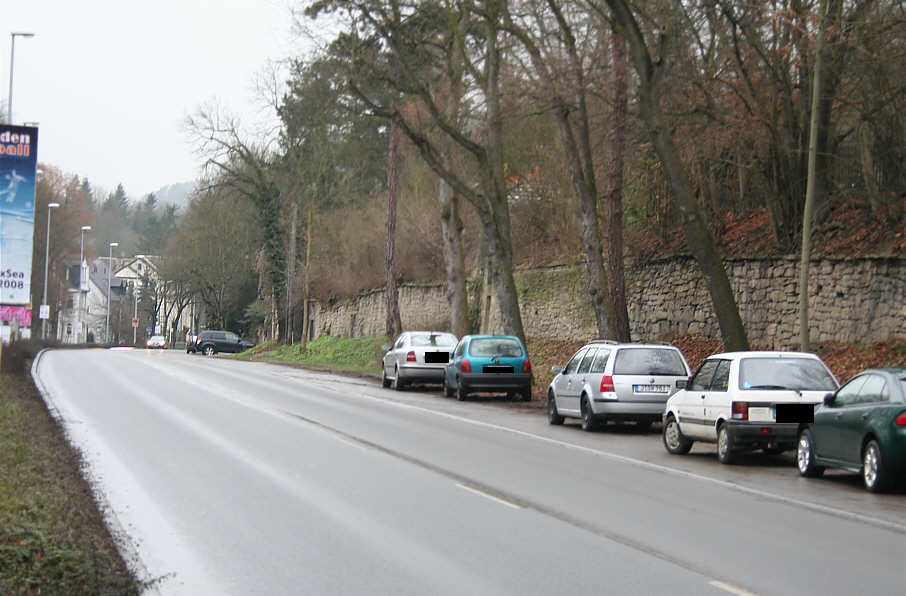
x=229, y=477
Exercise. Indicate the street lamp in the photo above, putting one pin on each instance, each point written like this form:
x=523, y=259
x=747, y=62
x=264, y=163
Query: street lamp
x=109, y=268
x=45, y=311
x=82, y=270
x=12, y=54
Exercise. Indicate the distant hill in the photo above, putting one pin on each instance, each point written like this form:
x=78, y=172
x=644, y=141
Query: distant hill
x=175, y=194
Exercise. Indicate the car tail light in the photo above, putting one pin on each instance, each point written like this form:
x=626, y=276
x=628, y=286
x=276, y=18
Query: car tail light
x=740, y=410
x=410, y=357
x=527, y=366
x=466, y=366
x=901, y=419
x=607, y=384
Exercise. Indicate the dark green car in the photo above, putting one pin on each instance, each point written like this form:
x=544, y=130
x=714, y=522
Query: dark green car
x=860, y=428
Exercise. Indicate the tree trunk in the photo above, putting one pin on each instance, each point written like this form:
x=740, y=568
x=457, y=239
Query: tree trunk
x=394, y=325
x=290, y=275
x=810, y=188
x=454, y=262
x=498, y=225
x=303, y=344
x=615, y=193
x=698, y=237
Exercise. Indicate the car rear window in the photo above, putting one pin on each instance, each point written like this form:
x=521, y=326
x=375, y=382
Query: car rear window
x=431, y=340
x=495, y=346
x=804, y=374
x=649, y=361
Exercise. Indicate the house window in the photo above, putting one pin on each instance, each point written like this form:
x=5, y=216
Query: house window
x=139, y=266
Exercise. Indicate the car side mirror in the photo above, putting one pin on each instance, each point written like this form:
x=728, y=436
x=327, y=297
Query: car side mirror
x=385, y=348
x=828, y=399
x=556, y=370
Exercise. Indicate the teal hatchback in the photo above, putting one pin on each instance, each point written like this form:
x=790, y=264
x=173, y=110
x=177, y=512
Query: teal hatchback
x=860, y=428
x=489, y=363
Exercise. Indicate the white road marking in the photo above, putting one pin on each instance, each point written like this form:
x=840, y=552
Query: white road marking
x=889, y=525
x=731, y=588
x=488, y=496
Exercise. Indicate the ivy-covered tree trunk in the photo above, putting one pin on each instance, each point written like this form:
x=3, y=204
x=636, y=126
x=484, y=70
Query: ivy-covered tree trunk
x=393, y=323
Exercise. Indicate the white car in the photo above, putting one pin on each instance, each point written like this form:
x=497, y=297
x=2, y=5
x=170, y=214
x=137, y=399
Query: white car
x=747, y=400
x=416, y=357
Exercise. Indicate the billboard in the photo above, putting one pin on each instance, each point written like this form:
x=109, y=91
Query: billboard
x=18, y=162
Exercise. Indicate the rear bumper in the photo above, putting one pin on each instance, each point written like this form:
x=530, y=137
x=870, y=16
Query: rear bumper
x=763, y=434
x=496, y=381
x=613, y=407
x=426, y=373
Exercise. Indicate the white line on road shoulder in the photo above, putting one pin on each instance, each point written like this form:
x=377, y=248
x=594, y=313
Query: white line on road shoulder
x=488, y=496
x=731, y=588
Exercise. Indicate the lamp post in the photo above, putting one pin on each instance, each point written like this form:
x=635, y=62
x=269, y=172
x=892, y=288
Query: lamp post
x=12, y=54
x=134, y=313
x=109, y=269
x=44, y=309
x=82, y=269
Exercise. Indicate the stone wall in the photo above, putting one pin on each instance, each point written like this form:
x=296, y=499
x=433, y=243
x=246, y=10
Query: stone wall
x=858, y=300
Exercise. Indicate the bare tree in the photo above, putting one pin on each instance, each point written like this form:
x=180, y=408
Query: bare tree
x=698, y=237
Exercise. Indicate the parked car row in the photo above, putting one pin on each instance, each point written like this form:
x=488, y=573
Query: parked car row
x=740, y=401
x=210, y=342
x=475, y=363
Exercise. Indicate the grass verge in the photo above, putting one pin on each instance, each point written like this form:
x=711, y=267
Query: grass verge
x=53, y=539
x=361, y=354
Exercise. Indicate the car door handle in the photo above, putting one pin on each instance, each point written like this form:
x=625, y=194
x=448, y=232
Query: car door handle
x=866, y=415
x=837, y=415
x=703, y=396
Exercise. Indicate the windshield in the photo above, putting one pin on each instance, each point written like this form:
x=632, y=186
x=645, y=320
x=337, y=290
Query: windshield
x=649, y=361
x=804, y=374
x=444, y=340
x=495, y=346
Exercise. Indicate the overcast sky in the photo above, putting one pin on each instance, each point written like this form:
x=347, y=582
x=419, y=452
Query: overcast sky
x=111, y=81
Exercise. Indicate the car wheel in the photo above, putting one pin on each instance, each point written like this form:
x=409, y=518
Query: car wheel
x=589, y=420
x=874, y=474
x=527, y=394
x=805, y=456
x=385, y=382
x=461, y=393
x=209, y=351
x=674, y=440
x=553, y=417
x=724, y=445
x=398, y=383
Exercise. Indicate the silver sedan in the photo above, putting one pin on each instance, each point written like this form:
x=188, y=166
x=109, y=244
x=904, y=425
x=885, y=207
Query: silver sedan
x=416, y=356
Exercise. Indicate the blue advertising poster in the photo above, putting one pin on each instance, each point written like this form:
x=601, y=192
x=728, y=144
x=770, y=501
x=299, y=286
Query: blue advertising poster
x=18, y=162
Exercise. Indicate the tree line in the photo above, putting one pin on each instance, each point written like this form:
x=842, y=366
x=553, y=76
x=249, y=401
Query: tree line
x=456, y=136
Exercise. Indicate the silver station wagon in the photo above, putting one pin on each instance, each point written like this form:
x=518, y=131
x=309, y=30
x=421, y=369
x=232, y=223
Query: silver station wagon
x=417, y=357
x=606, y=380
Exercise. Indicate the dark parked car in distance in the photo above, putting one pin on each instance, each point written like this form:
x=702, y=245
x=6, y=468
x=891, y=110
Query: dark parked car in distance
x=210, y=342
x=860, y=428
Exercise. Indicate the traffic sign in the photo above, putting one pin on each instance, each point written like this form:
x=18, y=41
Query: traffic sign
x=44, y=312
x=135, y=322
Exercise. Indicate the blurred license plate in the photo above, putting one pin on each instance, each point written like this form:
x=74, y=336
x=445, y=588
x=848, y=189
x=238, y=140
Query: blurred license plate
x=497, y=369
x=650, y=388
x=437, y=357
